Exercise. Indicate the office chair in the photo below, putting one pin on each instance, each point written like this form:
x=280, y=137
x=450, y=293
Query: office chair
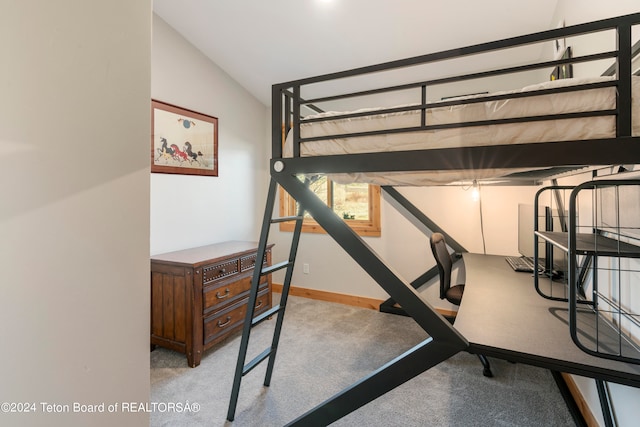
x=453, y=294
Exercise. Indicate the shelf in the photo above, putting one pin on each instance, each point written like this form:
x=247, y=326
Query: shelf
x=590, y=243
x=599, y=336
x=610, y=326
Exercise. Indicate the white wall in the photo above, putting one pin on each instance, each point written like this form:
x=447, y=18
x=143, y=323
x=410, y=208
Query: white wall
x=188, y=211
x=74, y=221
x=576, y=12
x=579, y=11
x=403, y=246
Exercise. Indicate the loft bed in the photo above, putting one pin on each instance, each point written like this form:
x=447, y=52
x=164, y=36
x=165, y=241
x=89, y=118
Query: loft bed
x=580, y=121
x=583, y=109
x=515, y=134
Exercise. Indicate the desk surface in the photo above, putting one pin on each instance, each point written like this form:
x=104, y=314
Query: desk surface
x=502, y=316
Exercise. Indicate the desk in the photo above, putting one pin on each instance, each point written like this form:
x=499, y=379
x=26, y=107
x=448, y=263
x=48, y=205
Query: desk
x=502, y=316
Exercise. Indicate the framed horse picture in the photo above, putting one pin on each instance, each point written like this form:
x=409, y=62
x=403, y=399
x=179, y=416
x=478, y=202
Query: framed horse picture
x=183, y=141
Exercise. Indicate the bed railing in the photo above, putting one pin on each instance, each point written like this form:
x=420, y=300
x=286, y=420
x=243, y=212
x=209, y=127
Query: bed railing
x=289, y=101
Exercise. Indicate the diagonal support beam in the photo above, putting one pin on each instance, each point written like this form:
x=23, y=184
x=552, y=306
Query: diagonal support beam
x=411, y=212
x=399, y=289
x=444, y=340
x=423, y=223
x=396, y=372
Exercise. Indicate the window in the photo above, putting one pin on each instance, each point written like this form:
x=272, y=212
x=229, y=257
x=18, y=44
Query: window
x=358, y=204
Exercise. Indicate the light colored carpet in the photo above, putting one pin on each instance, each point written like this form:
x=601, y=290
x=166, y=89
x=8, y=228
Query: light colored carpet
x=325, y=347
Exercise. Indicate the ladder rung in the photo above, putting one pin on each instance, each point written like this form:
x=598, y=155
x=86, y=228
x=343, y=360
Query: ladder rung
x=270, y=353
x=259, y=358
x=259, y=319
x=286, y=219
x=275, y=267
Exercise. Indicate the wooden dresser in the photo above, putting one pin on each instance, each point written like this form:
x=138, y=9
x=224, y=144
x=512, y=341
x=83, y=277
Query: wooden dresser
x=199, y=296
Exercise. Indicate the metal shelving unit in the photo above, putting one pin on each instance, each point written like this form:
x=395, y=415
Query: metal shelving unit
x=602, y=248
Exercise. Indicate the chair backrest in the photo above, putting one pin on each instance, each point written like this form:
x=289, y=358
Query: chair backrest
x=444, y=261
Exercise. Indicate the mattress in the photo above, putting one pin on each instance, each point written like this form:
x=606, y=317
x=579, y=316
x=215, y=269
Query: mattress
x=547, y=131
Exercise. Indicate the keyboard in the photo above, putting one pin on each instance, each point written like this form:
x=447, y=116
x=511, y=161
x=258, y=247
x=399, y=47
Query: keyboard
x=521, y=263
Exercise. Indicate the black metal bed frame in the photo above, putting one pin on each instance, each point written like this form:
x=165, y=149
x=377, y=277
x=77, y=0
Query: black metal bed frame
x=287, y=102
x=444, y=341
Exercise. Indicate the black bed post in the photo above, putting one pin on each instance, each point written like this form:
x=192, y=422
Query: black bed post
x=276, y=121
x=623, y=125
x=296, y=121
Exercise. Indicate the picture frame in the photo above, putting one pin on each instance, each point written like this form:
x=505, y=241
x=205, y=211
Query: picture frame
x=559, y=45
x=183, y=141
x=563, y=71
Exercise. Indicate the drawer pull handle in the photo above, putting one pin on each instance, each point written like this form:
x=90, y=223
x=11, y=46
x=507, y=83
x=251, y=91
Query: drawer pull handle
x=223, y=324
x=226, y=294
x=259, y=304
x=223, y=270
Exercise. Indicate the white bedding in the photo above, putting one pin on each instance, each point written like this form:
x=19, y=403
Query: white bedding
x=513, y=133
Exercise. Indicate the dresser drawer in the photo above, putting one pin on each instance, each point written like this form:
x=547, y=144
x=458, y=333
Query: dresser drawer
x=218, y=325
x=211, y=273
x=248, y=262
x=199, y=295
x=218, y=296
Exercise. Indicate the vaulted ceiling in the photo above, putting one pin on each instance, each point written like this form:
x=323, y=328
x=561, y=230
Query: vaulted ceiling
x=262, y=42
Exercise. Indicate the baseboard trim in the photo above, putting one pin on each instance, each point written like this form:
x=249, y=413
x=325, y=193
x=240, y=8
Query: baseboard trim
x=353, y=300
x=345, y=299
x=582, y=404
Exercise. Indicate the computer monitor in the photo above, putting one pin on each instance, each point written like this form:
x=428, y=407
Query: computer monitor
x=526, y=240
x=548, y=220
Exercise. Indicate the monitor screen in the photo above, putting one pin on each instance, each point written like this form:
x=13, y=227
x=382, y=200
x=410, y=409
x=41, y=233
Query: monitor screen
x=525, y=231
x=548, y=220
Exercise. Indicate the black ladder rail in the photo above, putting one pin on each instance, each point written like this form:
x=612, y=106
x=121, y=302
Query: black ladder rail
x=241, y=368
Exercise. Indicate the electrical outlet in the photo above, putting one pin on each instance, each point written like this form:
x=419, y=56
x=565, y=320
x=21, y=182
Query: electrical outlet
x=305, y=268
